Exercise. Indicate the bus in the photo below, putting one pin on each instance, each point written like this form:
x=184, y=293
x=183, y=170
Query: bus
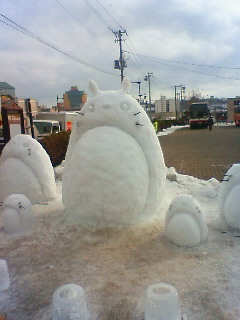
x=237, y=115
x=199, y=114
x=43, y=128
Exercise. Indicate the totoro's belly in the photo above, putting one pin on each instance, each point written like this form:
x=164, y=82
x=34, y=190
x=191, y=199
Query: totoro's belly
x=20, y=179
x=106, y=180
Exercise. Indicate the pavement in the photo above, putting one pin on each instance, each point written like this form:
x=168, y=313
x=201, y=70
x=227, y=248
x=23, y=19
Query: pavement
x=202, y=153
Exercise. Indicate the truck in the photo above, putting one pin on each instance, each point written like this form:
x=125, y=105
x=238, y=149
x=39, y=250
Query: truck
x=43, y=128
x=199, y=114
x=65, y=119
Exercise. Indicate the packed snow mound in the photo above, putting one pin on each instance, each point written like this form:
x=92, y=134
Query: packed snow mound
x=185, y=223
x=17, y=214
x=231, y=180
x=114, y=161
x=25, y=168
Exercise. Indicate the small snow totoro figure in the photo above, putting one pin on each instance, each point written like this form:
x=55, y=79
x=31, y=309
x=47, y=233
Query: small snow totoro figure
x=228, y=197
x=185, y=223
x=25, y=168
x=114, y=171
x=17, y=214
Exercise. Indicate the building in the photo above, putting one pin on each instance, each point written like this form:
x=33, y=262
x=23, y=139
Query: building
x=7, y=89
x=232, y=102
x=34, y=106
x=74, y=99
x=165, y=108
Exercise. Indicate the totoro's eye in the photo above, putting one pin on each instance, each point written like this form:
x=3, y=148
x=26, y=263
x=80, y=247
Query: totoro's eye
x=125, y=106
x=91, y=107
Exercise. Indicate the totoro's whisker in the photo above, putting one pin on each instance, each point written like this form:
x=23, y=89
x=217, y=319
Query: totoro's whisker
x=139, y=124
x=137, y=113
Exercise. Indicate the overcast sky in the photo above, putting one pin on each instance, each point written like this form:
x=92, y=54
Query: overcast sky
x=190, y=42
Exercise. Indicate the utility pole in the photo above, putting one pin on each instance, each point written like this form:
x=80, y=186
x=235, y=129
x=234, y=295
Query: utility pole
x=58, y=107
x=121, y=63
x=139, y=90
x=29, y=113
x=148, y=78
x=182, y=90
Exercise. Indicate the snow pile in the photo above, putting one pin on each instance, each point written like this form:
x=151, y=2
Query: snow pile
x=25, y=168
x=185, y=223
x=114, y=161
x=17, y=214
x=169, y=130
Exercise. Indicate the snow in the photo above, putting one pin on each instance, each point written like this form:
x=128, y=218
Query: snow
x=118, y=178
x=115, y=265
x=227, y=195
x=17, y=214
x=185, y=222
x=25, y=168
x=232, y=208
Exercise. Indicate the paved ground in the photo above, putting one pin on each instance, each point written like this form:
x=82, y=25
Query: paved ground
x=201, y=153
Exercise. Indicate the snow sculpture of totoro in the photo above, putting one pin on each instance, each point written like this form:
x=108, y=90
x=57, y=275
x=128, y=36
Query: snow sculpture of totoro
x=114, y=170
x=228, y=197
x=185, y=222
x=17, y=214
x=25, y=168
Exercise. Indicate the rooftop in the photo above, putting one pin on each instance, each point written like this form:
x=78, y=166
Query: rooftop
x=5, y=85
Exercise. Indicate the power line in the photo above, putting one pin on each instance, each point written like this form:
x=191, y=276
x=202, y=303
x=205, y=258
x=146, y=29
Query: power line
x=75, y=18
x=187, y=63
x=100, y=17
x=110, y=15
x=36, y=37
x=173, y=66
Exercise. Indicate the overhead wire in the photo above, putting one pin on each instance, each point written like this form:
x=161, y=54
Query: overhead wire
x=159, y=60
x=38, y=38
x=187, y=63
x=108, y=13
x=75, y=18
x=100, y=17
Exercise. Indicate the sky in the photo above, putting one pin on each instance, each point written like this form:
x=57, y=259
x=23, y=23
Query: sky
x=181, y=42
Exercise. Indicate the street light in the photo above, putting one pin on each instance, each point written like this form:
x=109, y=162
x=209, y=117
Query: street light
x=139, y=90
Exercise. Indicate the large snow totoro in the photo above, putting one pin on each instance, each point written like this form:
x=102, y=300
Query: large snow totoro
x=25, y=168
x=114, y=171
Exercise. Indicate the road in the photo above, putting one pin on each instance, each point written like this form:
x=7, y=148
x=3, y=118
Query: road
x=202, y=153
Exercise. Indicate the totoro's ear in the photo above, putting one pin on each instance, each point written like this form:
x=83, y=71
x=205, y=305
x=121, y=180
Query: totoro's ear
x=93, y=88
x=126, y=85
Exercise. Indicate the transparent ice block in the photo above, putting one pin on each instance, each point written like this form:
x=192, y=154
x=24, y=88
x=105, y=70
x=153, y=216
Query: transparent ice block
x=69, y=303
x=161, y=302
x=4, y=275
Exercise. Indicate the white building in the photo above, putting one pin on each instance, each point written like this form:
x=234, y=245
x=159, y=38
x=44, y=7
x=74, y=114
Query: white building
x=34, y=106
x=166, y=107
